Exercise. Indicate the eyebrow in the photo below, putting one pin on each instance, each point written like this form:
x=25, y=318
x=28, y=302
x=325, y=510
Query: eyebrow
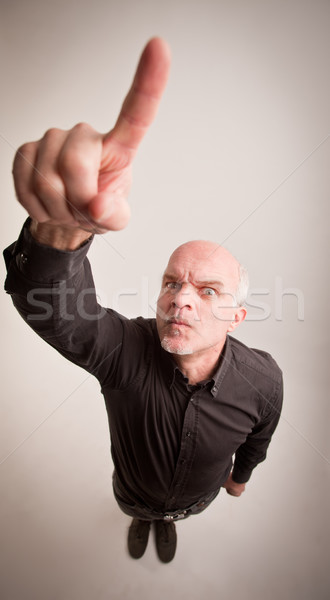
x=205, y=282
x=210, y=282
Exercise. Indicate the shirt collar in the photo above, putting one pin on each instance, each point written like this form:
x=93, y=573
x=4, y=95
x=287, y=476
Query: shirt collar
x=172, y=369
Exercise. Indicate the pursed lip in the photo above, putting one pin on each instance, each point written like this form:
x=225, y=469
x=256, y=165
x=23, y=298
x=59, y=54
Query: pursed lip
x=178, y=322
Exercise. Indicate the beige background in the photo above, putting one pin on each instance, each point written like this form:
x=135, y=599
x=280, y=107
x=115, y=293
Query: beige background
x=239, y=154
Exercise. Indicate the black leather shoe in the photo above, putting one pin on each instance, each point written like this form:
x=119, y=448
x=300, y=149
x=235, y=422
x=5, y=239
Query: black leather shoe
x=138, y=535
x=165, y=540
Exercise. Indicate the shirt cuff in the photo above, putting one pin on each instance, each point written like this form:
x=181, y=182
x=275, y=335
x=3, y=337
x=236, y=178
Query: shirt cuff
x=240, y=476
x=43, y=264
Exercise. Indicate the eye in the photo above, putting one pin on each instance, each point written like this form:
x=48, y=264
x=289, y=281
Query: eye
x=207, y=291
x=172, y=285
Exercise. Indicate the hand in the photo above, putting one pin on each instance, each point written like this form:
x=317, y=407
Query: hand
x=233, y=488
x=81, y=178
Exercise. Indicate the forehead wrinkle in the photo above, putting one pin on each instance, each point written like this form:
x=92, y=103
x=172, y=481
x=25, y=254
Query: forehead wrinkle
x=205, y=280
x=207, y=261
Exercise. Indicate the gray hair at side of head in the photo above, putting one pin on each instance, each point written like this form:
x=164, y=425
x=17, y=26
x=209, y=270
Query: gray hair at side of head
x=242, y=286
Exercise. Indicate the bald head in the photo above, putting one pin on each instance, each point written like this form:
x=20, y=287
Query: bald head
x=198, y=305
x=210, y=260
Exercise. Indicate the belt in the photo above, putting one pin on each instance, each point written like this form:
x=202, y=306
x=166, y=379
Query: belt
x=175, y=516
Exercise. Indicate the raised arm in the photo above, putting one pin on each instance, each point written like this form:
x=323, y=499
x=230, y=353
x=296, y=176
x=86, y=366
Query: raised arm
x=74, y=183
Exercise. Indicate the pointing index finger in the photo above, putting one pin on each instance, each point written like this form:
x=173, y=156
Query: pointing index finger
x=141, y=103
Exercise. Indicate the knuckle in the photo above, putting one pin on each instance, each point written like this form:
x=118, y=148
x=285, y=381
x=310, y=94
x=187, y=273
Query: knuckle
x=52, y=134
x=74, y=163
x=77, y=157
x=24, y=149
x=82, y=128
x=23, y=154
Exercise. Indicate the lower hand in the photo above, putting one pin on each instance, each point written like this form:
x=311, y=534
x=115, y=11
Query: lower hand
x=233, y=488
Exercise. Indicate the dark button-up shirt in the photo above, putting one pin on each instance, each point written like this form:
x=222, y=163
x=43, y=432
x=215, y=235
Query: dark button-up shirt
x=172, y=443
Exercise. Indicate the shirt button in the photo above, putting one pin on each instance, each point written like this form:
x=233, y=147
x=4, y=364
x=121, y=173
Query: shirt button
x=214, y=389
x=188, y=434
x=23, y=258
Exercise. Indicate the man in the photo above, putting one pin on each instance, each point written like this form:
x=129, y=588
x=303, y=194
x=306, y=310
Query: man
x=182, y=396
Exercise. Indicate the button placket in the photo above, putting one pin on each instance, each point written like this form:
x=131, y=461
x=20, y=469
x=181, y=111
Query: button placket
x=185, y=457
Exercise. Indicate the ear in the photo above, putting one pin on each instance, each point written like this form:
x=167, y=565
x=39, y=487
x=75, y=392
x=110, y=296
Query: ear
x=238, y=318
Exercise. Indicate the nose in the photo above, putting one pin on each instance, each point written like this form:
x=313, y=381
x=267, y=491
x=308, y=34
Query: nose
x=182, y=298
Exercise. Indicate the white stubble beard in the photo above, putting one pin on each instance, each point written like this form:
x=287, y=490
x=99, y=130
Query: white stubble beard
x=171, y=345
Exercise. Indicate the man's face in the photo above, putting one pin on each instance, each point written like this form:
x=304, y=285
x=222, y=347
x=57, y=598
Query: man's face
x=196, y=306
